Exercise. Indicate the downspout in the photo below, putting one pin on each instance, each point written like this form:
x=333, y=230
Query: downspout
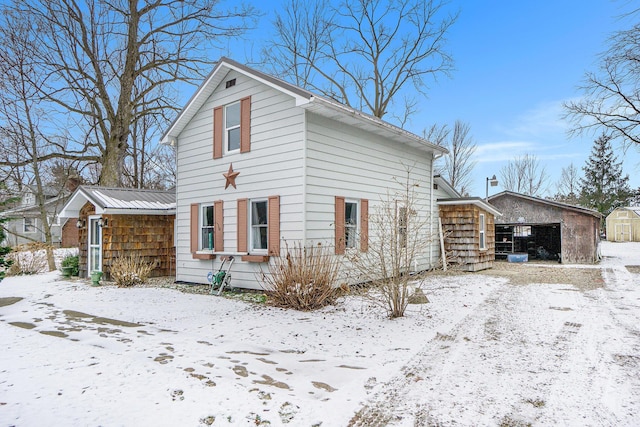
x=434, y=157
x=304, y=178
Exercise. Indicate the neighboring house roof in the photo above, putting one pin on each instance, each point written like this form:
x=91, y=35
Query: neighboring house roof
x=477, y=201
x=120, y=201
x=560, y=205
x=304, y=99
x=31, y=209
x=446, y=187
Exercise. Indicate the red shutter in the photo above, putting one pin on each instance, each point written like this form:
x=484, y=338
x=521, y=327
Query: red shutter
x=274, y=226
x=242, y=225
x=217, y=132
x=194, y=227
x=218, y=214
x=339, y=224
x=364, y=225
x=245, y=125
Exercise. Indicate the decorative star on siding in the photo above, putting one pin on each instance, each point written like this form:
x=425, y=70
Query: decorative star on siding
x=230, y=176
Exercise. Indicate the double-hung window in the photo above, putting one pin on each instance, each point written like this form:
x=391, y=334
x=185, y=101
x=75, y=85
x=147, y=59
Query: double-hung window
x=351, y=223
x=29, y=225
x=207, y=227
x=259, y=220
x=483, y=243
x=232, y=126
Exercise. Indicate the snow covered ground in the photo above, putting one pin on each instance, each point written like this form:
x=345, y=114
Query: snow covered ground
x=483, y=352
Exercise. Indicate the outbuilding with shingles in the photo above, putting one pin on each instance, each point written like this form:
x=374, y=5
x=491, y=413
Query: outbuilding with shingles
x=546, y=229
x=114, y=222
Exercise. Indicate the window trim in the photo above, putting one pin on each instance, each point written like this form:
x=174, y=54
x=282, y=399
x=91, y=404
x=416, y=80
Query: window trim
x=482, y=232
x=252, y=249
x=226, y=129
x=201, y=227
x=34, y=225
x=355, y=227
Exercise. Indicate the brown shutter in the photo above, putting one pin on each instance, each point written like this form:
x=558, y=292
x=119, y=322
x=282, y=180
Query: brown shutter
x=245, y=125
x=339, y=223
x=217, y=132
x=194, y=227
x=274, y=226
x=242, y=225
x=364, y=225
x=218, y=215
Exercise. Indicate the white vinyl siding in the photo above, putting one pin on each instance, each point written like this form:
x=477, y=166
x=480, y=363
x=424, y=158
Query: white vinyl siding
x=345, y=161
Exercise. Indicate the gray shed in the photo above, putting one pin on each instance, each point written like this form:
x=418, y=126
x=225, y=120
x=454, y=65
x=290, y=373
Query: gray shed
x=545, y=229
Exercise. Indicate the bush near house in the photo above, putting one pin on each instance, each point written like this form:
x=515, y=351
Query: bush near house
x=72, y=261
x=304, y=279
x=132, y=270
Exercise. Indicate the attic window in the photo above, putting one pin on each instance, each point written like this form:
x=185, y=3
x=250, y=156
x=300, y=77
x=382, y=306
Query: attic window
x=230, y=83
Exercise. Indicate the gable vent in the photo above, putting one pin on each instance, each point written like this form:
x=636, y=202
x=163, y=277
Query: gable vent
x=230, y=83
x=435, y=186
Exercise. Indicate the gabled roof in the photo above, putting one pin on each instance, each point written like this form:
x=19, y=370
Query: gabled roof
x=304, y=99
x=31, y=209
x=446, y=187
x=634, y=209
x=120, y=201
x=560, y=205
x=477, y=201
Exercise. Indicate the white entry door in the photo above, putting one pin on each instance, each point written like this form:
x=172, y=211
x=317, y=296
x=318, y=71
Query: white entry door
x=623, y=233
x=95, y=245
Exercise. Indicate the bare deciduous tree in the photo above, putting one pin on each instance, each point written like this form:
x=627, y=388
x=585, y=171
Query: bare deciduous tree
x=524, y=175
x=568, y=187
x=400, y=236
x=362, y=53
x=109, y=64
x=457, y=165
x=612, y=94
x=24, y=141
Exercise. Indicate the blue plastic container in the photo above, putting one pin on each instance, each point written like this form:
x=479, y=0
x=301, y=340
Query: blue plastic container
x=518, y=257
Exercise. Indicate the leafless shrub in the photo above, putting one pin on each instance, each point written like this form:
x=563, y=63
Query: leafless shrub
x=27, y=262
x=304, y=279
x=132, y=270
x=401, y=237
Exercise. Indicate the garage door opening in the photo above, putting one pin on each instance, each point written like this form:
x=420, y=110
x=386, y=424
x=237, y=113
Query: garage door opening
x=540, y=242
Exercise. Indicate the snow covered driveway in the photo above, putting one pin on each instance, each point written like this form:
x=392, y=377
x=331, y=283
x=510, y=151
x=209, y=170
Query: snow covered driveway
x=538, y=354
x=485, y=352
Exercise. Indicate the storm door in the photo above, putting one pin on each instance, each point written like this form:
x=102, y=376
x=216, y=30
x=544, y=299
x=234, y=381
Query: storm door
x=95, y=245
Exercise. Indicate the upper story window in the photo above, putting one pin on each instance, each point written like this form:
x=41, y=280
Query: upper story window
x=232, y=126
x=483, y=225
x=259, y=221
x=206, y=228
x=29, y=225
x=28, y=199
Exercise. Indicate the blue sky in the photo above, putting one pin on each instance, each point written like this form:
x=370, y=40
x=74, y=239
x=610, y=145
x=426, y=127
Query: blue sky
x=516, y=62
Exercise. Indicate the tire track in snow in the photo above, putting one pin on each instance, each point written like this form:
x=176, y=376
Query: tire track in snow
x=497, y=365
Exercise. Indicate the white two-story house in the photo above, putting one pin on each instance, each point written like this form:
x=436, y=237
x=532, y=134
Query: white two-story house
x=261, y=162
